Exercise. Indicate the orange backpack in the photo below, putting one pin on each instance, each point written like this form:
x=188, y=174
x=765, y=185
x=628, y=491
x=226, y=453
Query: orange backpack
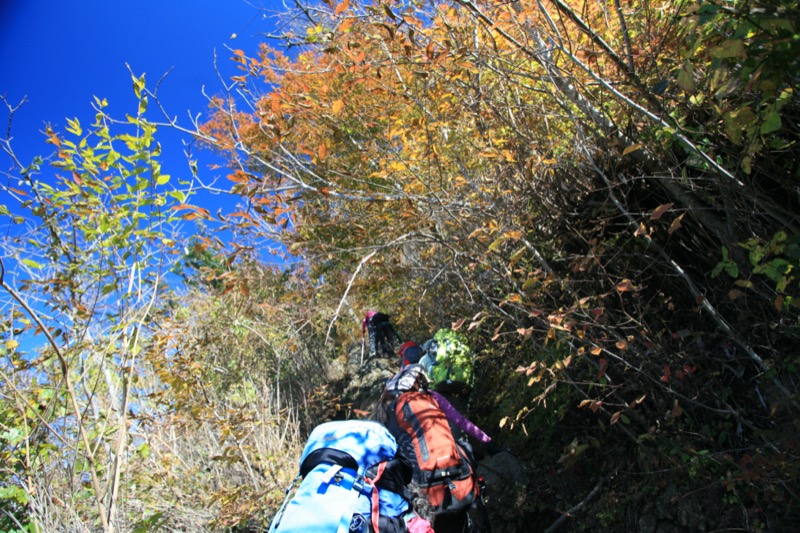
x=442, y=470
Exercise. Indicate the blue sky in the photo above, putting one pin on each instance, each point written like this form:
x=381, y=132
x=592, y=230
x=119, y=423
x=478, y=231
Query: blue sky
x=59, y=54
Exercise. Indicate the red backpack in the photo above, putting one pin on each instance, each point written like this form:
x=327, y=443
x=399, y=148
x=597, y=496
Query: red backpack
x=442, y=470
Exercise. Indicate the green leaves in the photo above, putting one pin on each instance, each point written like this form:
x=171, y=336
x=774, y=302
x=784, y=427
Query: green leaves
x=14, y=493
x=99, y=238
x=772, y=122
x=728, y=49
x=727, y=265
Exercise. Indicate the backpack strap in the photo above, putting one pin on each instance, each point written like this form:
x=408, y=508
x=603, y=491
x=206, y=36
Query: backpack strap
x=350, y=506
x=375, y=514
x=375, y=504
x=277, y=520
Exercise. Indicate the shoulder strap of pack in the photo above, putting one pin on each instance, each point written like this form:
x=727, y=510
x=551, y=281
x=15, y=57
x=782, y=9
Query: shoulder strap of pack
x=350, y=505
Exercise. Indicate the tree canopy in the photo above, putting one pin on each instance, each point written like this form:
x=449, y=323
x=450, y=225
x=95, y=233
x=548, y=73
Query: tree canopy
x=602, y=195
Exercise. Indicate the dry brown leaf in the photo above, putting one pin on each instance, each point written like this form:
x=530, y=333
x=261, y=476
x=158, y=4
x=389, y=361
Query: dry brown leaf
x=676, y=224
x=660, y=210
x=626, y=286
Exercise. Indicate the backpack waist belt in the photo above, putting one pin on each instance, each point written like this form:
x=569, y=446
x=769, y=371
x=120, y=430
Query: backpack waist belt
x=445, y=475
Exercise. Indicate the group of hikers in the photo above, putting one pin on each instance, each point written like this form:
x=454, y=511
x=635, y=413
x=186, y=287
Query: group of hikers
x=410, y=468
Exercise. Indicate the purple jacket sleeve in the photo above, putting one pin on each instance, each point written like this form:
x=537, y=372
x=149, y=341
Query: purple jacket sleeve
x=460, y=420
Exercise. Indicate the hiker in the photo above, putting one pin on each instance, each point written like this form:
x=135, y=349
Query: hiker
x=420, y=420
x=381, y=333
x=354, y=480
x=449, y=363
x=410, y=353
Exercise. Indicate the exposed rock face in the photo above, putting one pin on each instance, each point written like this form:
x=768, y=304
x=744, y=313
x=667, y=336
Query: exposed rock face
x=674, y=510
x=364, y=383
x=510, y=492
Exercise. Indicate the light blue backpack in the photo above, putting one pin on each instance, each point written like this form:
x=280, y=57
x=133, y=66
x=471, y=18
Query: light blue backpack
x=352, y=482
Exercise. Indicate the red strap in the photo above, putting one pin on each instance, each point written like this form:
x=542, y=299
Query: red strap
x=376, y=503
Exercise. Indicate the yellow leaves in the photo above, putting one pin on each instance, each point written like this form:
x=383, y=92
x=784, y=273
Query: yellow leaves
x=626, y=286
x=460, y=181
x=396, y=166
x=564, y=363
x=516, y=256
x=512, y=235
x=337, y=107
x=508, y=156
x=11, y=345
x=630, y=149
x=496, y=243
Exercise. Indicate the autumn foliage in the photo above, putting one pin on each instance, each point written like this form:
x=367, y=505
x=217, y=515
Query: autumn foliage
x=595, y=187
x=601, y=195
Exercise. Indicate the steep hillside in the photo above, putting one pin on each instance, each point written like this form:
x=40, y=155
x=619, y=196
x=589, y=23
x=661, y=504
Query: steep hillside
x=603, y=196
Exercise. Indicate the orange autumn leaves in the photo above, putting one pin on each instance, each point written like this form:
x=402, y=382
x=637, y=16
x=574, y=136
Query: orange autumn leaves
x=396, y=114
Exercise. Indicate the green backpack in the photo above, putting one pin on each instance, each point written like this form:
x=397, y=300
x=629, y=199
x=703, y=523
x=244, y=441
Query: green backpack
x=451, y=362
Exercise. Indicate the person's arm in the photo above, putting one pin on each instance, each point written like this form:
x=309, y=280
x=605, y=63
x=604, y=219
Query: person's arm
x=396, y=335
x=460, y=420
